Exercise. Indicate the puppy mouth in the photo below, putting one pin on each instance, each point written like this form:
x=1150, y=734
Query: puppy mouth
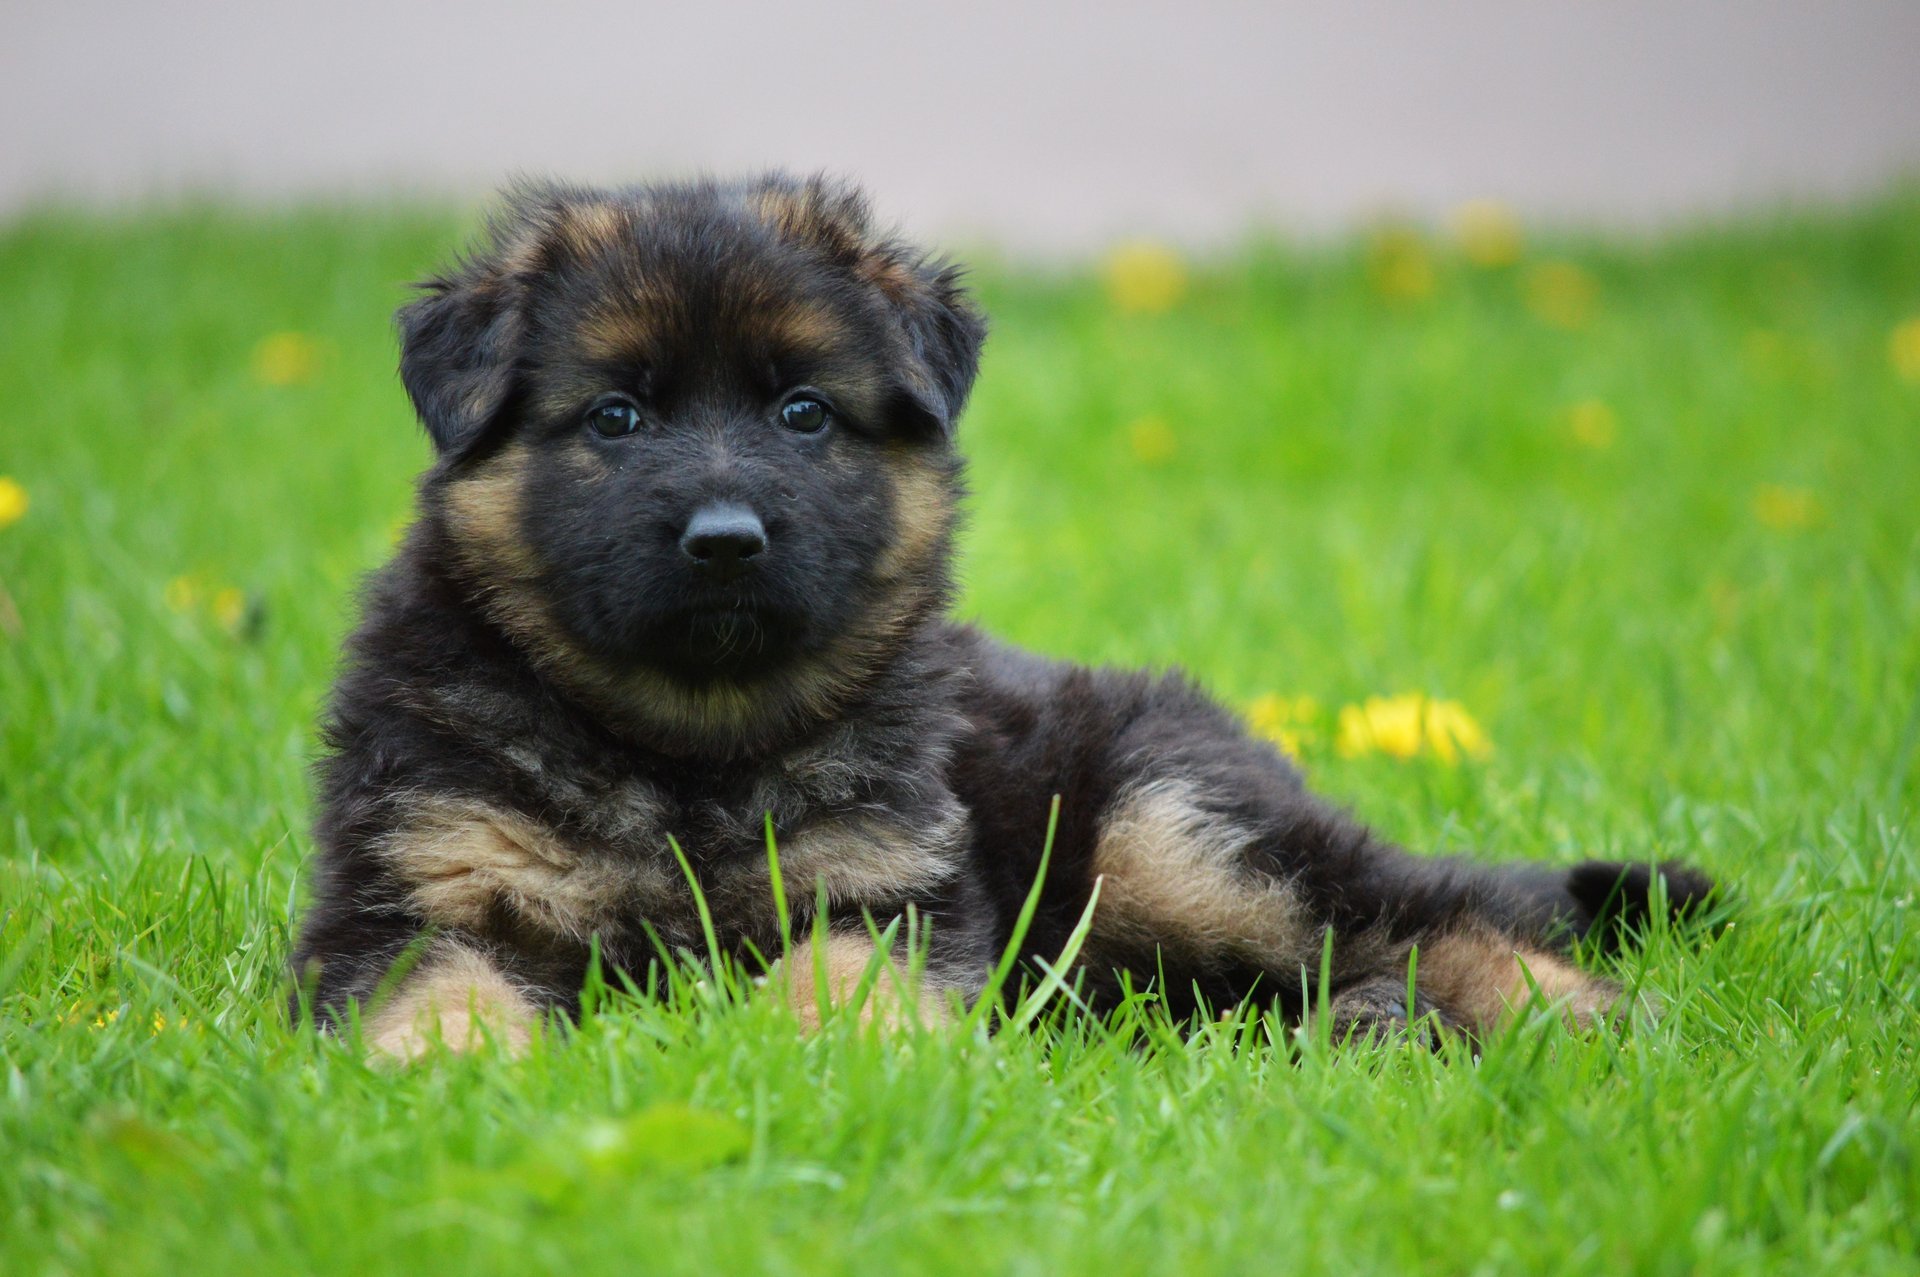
x=733, y=639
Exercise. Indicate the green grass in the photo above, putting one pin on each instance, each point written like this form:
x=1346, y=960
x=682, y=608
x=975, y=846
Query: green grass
x=1364, y=498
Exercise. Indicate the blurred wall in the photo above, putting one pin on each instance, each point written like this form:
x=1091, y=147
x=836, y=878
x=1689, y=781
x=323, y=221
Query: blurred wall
x=1039, y=125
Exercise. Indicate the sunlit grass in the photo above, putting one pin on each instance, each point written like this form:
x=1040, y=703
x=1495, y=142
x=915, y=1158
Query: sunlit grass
x=1643, y=514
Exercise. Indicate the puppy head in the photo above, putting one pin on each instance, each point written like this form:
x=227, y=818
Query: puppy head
x=695, y=445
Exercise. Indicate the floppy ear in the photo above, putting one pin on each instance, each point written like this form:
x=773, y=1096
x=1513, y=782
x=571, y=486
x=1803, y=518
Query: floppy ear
x=458, y=345
x=945, y=331
x=460, y=341
x=942, y=328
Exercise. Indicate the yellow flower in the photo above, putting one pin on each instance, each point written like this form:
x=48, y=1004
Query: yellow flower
x=286, y=359
x=1450, y=728
x=1144, y=277
x=1561, y=294
x=13, y=500
x=1399, y=266
x=229, y=608
x=1593, y=425
x=1286, y=721
x=182, y=594
x=1387, y=725
x=1786, y=509
x=1488, y=232
x=1409, y=725
x=1153, y=440
x=193, y=594
x=102, y=1021
x=1903, y=345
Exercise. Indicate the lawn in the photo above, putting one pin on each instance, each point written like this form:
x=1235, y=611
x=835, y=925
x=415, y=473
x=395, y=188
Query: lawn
x=1646, y=510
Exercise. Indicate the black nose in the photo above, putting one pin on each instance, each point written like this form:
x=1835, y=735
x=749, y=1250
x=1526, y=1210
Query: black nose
x=722, y=539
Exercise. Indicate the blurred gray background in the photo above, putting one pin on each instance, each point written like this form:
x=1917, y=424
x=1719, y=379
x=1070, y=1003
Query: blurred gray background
x=1043, y=127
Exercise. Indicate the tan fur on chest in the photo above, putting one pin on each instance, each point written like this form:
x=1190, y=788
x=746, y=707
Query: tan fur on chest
x=464, y=860
x=861, y=858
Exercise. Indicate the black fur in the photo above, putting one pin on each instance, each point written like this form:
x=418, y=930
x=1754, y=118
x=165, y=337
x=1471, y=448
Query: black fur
x=539, y=652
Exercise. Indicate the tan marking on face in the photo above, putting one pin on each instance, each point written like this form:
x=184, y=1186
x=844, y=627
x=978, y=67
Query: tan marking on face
x=464, y=860
x=802, y=328
x=892, y=1000
x=625, y=334
x=1479, y=977
x=456, y=997
x=483, y=511
x=923, y=516
x=1174, y=874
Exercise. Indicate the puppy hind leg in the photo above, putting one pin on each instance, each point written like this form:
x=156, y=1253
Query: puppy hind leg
x=1482, y=979
x=1378, y=1010
x=1490, y=940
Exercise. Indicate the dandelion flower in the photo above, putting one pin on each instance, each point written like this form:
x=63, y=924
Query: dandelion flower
x=13, y=501
x=1488, y=233
x=1286, y=721
x=229, y=608
x=1903, y=346
x=1592, y=424
x=1786, y=509
x=1398, y=265
x=1384, y=725
x=1452, y=732
x=1561, y=294
x=1409, y=725
x=286, y=359
x=1153, y=440
x=182, y=594
x=1144, y=277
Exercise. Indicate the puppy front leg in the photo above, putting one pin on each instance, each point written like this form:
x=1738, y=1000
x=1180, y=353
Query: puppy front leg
x=456, y=996
x=843, y=959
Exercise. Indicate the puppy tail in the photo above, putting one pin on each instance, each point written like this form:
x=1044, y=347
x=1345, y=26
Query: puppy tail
x=1616, y=899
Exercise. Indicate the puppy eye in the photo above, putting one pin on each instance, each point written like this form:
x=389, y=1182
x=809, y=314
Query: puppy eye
x=808, y=416
x=613, y=420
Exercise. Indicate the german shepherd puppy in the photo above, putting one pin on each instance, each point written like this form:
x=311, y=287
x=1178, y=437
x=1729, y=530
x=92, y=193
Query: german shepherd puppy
x=682, y=566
